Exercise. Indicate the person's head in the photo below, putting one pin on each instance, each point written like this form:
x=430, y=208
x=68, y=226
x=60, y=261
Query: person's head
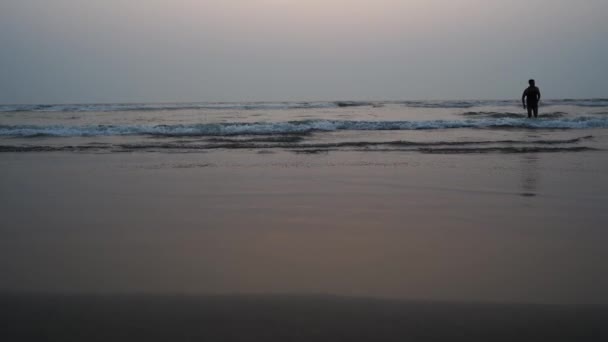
x=531, y=83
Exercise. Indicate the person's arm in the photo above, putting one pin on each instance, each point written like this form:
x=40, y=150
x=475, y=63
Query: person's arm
x=538, y=101
x=523, y=98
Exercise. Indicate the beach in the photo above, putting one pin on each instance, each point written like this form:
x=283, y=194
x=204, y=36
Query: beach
x=289, y=318
x=348, y=233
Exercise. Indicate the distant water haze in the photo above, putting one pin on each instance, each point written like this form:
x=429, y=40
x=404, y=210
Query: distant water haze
x=69, y=51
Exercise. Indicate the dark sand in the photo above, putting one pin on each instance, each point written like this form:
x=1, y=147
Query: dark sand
x=288, y=318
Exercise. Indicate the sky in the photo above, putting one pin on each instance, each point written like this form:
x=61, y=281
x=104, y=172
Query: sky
x=108, y=51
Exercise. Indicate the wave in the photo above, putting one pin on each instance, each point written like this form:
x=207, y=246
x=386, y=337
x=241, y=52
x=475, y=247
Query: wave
x=501, y=115
x=453, y=104
x=482, y=150
x=463, y=104
x=183, y=106
x=270, y=142
x=166, y=107
x=243, y=106
x=357, y=104
x=484, y=146
x=508, y=149
x=599, y=102
x=295, y=127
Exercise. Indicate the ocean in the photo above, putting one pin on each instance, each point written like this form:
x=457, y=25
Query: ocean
x=447, y=127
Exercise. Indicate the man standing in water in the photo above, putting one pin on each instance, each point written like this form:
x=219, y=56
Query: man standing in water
x=530, y=99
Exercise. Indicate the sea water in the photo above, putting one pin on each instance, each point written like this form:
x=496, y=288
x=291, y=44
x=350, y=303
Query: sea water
x=308, y=127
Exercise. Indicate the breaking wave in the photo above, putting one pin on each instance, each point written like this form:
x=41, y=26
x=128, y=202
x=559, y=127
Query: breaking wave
x=296, y=127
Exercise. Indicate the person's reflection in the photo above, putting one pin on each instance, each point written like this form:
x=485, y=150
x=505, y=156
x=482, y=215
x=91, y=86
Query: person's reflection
x=529, y=175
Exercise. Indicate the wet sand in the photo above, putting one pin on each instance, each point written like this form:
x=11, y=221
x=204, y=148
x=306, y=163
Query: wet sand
x=289, y=318
x=138, y=246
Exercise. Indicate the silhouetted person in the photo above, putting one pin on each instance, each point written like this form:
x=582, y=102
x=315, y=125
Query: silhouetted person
x=530, y=99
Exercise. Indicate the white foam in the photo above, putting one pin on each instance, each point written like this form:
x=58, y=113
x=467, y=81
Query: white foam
x=294, y=127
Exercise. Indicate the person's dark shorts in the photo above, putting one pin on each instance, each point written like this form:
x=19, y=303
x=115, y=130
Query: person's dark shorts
x=532, y=108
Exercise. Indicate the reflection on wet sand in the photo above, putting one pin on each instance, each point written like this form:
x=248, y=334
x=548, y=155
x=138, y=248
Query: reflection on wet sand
x=529, y=175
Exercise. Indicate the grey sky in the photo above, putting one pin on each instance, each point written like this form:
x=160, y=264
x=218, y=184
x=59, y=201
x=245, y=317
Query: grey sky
x=74, y=51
